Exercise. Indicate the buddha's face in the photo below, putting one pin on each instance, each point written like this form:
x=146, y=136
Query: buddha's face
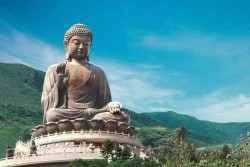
x=79, y=46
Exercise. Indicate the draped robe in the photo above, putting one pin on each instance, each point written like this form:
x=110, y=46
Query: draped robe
x=71, y=103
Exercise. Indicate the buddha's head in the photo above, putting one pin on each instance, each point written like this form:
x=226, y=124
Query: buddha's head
x=77, y=42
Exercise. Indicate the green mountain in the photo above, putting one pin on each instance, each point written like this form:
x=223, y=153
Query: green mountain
x=153, y=133
x=138, y=120
x=20, y=88
x=226, y=132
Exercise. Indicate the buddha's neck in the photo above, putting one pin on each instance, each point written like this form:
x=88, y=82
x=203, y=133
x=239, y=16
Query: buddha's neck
x=78, y=62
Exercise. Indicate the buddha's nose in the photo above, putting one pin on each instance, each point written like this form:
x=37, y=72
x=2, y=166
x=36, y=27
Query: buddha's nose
x=81, y=46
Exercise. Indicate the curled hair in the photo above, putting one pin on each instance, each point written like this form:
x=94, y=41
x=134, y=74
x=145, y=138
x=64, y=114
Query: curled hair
x=77, y=29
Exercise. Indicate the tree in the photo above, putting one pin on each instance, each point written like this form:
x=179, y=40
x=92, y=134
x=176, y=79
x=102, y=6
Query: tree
x=180, y=134
x=107, y=150
x=78, y=162
x=135, y=162
x=177, y=151
x=99, y=163
x=126, y=153
x=225, y=151
x=93, y=163
x=115, y=151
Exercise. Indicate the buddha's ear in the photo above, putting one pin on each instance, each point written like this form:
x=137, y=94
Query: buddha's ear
x=67, y=57
x=66, y=46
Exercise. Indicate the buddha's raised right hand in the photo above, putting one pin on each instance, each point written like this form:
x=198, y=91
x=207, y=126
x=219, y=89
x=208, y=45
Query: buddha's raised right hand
x=62, y=76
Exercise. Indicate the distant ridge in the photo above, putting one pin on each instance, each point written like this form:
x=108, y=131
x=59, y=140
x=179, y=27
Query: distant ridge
x=227, y=132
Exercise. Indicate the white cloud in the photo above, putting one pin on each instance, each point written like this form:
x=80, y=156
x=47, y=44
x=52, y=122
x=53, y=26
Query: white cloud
x=6, y=58
x=231, y=109
x=198, y=44
x=218, y=106
x=16, y=47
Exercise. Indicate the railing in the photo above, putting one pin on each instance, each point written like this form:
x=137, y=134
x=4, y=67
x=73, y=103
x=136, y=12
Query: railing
x=90, y=132
x=63, y=154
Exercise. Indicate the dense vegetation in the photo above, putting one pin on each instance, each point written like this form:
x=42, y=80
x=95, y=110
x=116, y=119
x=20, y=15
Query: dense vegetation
x=20, y=88
x=133, y=162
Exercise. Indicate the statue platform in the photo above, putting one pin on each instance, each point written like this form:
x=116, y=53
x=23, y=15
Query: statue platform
x=58, y=149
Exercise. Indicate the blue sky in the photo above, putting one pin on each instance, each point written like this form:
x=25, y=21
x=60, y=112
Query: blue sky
x=191, y=57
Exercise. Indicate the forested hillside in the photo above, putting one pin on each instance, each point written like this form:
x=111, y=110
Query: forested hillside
x=226, y=132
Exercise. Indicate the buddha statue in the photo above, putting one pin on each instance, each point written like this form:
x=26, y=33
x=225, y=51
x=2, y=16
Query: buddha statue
x=77, y=89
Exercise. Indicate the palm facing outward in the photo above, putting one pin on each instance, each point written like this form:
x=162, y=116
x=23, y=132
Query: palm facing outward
x=62, y=76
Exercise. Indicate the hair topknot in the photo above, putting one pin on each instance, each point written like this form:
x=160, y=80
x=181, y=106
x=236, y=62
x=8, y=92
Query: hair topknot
x=76, y=29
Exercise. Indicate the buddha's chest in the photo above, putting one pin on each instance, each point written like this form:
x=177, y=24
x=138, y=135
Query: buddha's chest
x=78, y=75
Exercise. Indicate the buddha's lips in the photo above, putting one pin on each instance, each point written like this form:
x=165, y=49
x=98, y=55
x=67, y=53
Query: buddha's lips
x=81, y=52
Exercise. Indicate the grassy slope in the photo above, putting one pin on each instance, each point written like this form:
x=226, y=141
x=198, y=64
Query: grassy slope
x=227, y=132
x=153, y=133
x=155, y=137
x=138, y=120
x=20, y=88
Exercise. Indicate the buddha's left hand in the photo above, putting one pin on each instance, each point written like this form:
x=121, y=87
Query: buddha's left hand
x=114, y=107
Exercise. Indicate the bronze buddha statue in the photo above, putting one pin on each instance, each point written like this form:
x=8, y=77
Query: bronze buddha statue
x=76, y=88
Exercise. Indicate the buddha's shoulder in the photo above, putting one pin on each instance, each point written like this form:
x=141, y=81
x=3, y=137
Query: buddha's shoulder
x=94, y=67
x=52, y=67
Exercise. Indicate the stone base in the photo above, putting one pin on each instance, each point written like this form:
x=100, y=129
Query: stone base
x=59, y=149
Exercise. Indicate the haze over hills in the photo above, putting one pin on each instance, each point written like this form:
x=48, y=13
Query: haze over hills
x=20, y=111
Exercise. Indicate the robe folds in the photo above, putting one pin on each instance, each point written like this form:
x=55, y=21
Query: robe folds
x=70, y=103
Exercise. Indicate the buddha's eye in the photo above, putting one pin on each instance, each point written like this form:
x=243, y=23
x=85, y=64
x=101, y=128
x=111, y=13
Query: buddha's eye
x=76, y=43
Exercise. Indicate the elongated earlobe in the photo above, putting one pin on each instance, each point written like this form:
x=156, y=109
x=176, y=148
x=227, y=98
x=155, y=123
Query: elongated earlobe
x=67, y=57
x=89, y=52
